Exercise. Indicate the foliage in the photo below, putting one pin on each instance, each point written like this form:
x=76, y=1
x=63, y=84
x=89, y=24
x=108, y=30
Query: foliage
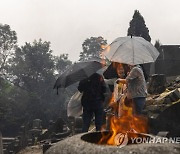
x=157, y=45
x=62, y=62
x=8, y=40
x=92, y=47
x=27, y=76
x=33, y=71
x=138, y=27
x=13, y=102
x=33, y=65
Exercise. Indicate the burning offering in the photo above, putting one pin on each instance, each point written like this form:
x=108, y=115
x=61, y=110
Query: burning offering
x=123, y=122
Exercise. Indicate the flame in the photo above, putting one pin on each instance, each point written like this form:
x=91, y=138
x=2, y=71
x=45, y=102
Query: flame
x=123, y=122
x=123, y=119
x=103, y=46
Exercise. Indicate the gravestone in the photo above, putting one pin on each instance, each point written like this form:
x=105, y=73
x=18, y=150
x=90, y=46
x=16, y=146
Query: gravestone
x=36, y=130
x=1, y=145
x=157, y=84
x=37, y=124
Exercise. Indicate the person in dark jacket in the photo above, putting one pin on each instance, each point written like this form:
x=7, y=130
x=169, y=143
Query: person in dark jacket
x=93, y=89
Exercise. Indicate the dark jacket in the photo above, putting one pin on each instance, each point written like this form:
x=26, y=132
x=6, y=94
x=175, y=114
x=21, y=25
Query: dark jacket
x=93, y=89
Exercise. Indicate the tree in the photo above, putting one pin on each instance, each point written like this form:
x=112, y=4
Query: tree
x=138, y=27
x=157, y=45
x=92, y=47
x=33, y=70
x=62, y=62
x=31, y=92
x=13, y=104
x=33, y=65
x=8, y=40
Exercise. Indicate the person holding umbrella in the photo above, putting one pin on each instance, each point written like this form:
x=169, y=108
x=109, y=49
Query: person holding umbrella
x=133, y=50
x=93, y=89
x=136, y=87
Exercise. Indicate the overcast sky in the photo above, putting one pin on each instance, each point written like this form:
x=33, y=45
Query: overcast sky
x=67, y=23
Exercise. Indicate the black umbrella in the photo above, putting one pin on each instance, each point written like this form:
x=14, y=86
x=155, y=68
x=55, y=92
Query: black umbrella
x=110, y=72
x=77, y=72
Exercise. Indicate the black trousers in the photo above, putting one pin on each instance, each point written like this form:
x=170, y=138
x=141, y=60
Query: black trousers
x=87, y=117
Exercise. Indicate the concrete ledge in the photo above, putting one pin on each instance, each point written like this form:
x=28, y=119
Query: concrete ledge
x=74, y=145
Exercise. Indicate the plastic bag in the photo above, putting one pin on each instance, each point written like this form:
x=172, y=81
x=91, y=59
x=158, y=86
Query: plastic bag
x=74, y=107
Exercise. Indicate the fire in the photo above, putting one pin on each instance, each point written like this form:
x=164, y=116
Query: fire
x=103, y=46
x=123, y=119
x=127, y=122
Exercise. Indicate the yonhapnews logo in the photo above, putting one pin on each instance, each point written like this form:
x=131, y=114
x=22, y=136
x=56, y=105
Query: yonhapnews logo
x=121, y=139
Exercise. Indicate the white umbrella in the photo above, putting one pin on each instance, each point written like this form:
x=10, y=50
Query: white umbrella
x=74, y=108
x=131, y=50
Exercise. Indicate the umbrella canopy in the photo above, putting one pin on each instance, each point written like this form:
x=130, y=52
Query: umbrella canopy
x=131, y=50
x=77, y=72
x=110, y=72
